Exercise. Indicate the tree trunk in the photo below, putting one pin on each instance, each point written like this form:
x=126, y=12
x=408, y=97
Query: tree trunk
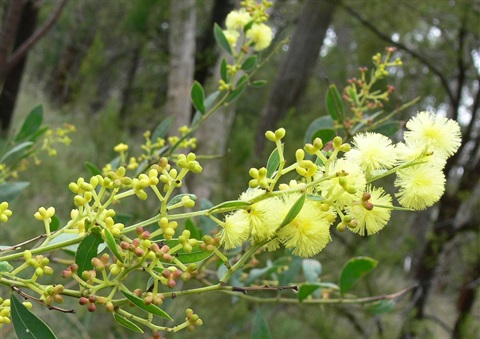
x=13, y=80
x=182, y=61
x=206, y=55
x=9, y=31
x=297, y=66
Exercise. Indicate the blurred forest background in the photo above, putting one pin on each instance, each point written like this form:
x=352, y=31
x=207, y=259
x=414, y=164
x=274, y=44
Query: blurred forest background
x=115, y=68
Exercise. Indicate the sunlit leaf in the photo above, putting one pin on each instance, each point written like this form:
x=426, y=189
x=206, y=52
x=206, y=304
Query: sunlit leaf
x=354, y=269
x=150, y=308
x=31, y=124
x=26, y=324
x=176, y=199
x=198, y=97
x=127, y=323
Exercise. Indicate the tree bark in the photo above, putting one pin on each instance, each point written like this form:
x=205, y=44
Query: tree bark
x=206, y=55
x=297, y=66
x=9, y=31
x=10, y=89
x=182, y=61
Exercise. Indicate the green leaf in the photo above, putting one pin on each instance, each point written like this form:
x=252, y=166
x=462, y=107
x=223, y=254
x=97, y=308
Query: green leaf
x=305, y=290
x=260, y=329
x=112, y=244
x=242, y=81
x=293, y=212
x=354, y=269
x=315, y=197
x=194, y=256
x=123, y=218
x=273, y=163
x=208, y=104
x=311, y=270
x=87, y=250
x=223, y=70
x=176, y=199
x=94, y=170
x=381, y=307
x=31, y=124
x=27, y=325
x=325, y=135
x=388, y=128
x=5, y=266
x=151, y=308
x=9, y=190
x=236, y=93
x=162, y=128
x=17, y=152
x=127, y=323
x=250, y=63
x=198, y=97
x=258, y=83
x=234, y=204
x=335, y=104
x=322, y=123
x=54, y=224
x=221, y=39
x=195, y=232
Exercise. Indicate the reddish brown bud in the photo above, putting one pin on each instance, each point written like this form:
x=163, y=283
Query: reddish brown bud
x=83, y=301
x=92, y=308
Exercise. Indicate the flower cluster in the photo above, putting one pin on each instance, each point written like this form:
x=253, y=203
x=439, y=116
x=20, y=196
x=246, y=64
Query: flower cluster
x=5, y=311
x=248, y=23
x=338, y=184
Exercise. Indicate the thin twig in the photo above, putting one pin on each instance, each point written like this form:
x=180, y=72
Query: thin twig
x=41, y=302
x=17, y=246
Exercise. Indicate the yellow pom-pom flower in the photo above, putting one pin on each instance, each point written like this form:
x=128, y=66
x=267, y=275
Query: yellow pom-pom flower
x=262, y=215
x=236, y=20
x=232, y=37
x=346, y=187
x=436, y=133
x=261, y=35
x=308, y=233
x=236, y=229
x=371, y=214
x=372, y=151
x=420, y=186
